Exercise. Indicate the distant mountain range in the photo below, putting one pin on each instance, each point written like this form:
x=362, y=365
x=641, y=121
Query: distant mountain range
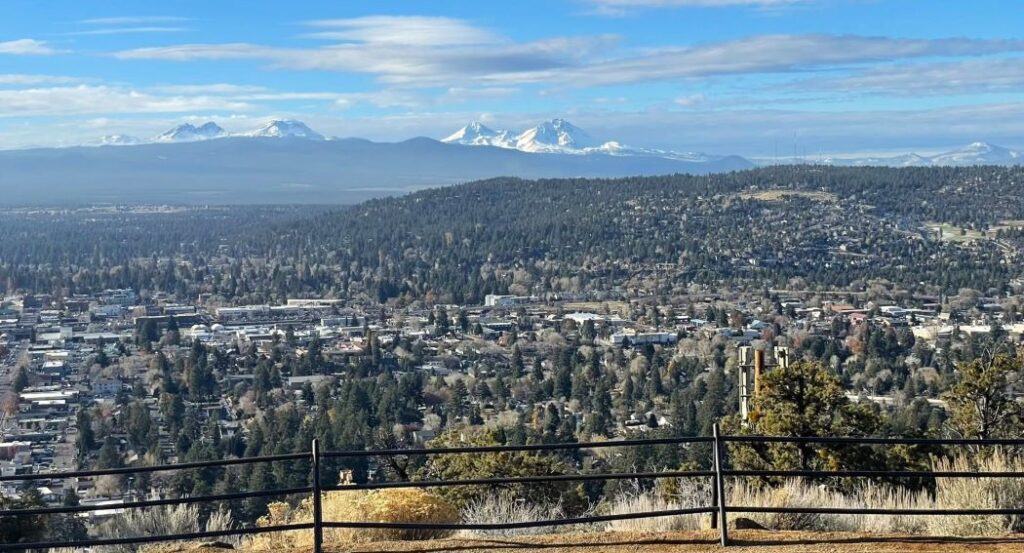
x=976, y=153
x=187, y=132
x=559, y=136
x=287, y=162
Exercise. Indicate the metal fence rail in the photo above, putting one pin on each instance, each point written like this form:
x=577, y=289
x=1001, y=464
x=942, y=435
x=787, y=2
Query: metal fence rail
x=719, y=507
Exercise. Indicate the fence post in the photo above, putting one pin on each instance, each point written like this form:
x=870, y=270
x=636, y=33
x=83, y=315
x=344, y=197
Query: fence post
x=723, y=531
x=714, y=502
x=318, y=517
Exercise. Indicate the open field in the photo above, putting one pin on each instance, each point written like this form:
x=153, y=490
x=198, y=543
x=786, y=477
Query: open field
x=954, y=233
x=779, y=195
x=744, y=541
x=598, y=306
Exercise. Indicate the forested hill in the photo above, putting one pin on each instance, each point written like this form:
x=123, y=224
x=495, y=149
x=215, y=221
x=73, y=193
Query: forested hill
x=828, y=226
x=926, y=229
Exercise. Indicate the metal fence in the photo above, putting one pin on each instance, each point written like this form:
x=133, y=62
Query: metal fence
x=719, y=509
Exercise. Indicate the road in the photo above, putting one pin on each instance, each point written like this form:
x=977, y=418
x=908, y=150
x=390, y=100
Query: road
x=8, y=364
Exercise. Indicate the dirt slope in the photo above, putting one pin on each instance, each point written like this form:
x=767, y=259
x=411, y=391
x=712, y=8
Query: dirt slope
x=744, y=541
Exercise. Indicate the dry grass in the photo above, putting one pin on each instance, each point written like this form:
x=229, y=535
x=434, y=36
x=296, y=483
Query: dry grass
x=505, y=508
x=677, y=493
x=386, y=505
x=950, y=493
x=168, y=519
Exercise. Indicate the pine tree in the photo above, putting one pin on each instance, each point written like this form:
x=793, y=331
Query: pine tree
x=20, y=380
x=981, y=403
x=804, y=399
x=86, y=436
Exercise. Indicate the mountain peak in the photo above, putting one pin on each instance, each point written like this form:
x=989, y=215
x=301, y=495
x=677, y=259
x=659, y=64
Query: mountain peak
x=978, y=153
x=477, y=134
x=286, y=128
x=554, y=135
x=187, y=132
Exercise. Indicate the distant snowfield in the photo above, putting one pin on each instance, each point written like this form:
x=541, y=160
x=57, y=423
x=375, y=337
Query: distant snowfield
x=976, y=153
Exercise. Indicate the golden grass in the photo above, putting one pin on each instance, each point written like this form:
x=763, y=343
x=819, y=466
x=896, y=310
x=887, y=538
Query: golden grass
x=387, y=505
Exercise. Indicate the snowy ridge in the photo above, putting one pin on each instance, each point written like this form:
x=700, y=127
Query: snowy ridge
x=976, y=153
x=559, y=136
x=188, y=132
x=285, y=128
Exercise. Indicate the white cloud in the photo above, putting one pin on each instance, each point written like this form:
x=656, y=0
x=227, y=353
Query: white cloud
x=616, y=8
x=27, y=79
x=929, y=79
x=128, y=30
x=189, y=52
x=402, y=30
x=778, y=54
x=215, y=88
x=27, y=47
x=387, y=98
x=464, y=94
x=689, y=101
x=133, y=20
x=394, y=63
x=85, y=99
x=696, y=3
x=583, y=61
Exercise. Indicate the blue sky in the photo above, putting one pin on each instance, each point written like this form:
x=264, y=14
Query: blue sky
x=752, y=77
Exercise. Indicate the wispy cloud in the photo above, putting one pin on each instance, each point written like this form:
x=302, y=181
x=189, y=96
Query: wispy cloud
x=128, y=30
x=585, y=61
x=26, y=79
x=767, y=54
x=398, y=64
x=84, y=99
x=970, y=76
x=689, y=101
x=402, y=30
x=214, y=88
x=133, y=20
x=27, y=47
x=622, y=7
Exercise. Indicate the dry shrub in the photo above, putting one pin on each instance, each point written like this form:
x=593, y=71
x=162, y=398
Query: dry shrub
x=793, y=493
x=950, y=493
x=507, y=508
x=162, y=520
x=978, y=493
x=388, y=505
x=670, y=495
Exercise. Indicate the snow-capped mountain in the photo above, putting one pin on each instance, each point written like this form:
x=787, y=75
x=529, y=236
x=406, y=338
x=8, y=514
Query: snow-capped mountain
x=285, y=128
x=976, y=153
x=188, y=132
x=559, y=136
x=478, y=134
x=979, y=153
